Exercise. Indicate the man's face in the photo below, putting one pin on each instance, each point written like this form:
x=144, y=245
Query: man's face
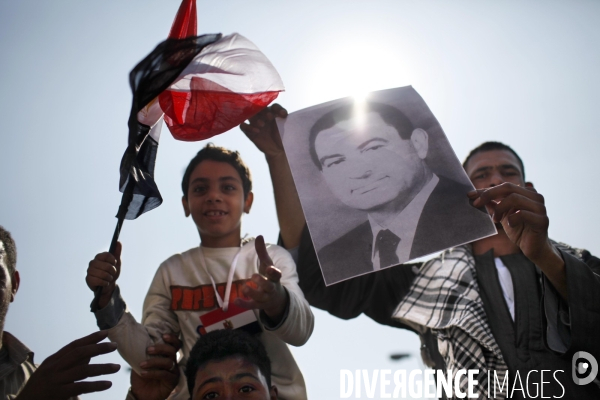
x=6, y=286
x=216, y=202
x=366, y=163
x=491, y=168
x=233, y=378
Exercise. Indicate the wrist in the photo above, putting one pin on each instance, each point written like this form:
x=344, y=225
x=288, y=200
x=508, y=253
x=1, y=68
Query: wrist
x=276, y=313
x=549, y=260
x=105, y=297
x=276, y=158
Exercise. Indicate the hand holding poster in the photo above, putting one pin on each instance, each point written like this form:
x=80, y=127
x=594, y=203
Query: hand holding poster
x=379, y=183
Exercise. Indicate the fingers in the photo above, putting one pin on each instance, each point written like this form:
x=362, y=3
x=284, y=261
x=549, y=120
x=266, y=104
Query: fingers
x=262, y=290
x=249, y=304
x=247, y=129
x=536, y=221
x=268, y=114
x=257, y=122
x=100, y=274
x=273, y=274
x=515, y=202
x=84, y=341
x=162, y=375
x=263, y=256
x=277, y=110
x=83, y=354
x=173, y=340
x=262, y=130
x=79, y=373
x=103, y=270
x=263, y=294
x=482, y=197
x=77, y=388
x=117, y=253
x=106, y=257
x=164, y=350
x=164, y=363
x=262, y=118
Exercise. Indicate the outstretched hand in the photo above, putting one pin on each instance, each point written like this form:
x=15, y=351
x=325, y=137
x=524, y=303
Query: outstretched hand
x=522, y=213
x=60, y=376
x=263, y=132
x=264, y=290
x=160, y=372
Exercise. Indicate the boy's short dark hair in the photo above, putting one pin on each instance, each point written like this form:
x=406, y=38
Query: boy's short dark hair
x=220, y=154
x=10, y=250
x=221, y=344
x=489, y=146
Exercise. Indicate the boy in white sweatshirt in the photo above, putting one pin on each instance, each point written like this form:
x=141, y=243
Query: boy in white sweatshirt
x=198, y=290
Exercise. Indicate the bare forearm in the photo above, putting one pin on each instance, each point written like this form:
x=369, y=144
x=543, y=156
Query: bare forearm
x=289, y=211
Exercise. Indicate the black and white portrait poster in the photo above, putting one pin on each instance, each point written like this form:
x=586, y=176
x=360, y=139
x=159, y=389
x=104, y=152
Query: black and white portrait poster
x=378, y=182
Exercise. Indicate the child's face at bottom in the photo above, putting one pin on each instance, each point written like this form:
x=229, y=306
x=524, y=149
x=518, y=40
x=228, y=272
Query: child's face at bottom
x=232, y=378
x=216, y=203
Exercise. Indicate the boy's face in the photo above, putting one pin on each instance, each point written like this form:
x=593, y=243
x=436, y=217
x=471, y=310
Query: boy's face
x=232, y=378
x=216, y=202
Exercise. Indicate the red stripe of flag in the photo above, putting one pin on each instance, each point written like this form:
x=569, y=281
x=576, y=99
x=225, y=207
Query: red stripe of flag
x=217, y=315
x=186, y=21
x=185, y=112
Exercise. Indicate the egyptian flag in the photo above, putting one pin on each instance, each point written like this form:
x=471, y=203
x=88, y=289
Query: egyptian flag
x=234, y=318
x=204, y=86
x=153, y=75
x=228, y=82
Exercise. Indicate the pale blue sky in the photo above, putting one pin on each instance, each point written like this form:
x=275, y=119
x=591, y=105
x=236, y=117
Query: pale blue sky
x=522, y=72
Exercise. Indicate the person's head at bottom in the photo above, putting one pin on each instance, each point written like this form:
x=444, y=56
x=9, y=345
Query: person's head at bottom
x=229, y=364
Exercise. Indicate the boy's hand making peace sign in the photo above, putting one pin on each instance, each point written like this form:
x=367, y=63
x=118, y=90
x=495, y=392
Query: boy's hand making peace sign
x=263, y=289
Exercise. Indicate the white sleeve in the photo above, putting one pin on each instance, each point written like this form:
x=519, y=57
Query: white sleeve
x=298, y=324
x=132, y=337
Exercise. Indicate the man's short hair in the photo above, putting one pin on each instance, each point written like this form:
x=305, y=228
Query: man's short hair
x=490, y=146
x=224, y=343
x=220, y=154
x=390, y=115
x=9, y=253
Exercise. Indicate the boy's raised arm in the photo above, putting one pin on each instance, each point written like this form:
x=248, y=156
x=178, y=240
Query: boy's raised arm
x=262, y=131
x=113, y=315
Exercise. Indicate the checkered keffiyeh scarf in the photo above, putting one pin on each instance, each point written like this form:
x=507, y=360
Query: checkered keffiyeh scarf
x=445, y=298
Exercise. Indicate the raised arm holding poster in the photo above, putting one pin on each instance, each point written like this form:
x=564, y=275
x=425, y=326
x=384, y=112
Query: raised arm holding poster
x=379, y=183
x=507, y=306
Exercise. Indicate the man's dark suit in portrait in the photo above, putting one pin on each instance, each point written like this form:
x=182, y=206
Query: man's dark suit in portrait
x=374, y=160
x=447, y=215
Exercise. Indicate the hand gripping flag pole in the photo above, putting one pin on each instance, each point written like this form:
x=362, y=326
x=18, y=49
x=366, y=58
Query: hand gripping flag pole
x=202, y=86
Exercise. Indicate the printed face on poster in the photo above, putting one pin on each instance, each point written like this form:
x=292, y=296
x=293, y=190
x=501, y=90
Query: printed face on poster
x=378, y=182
